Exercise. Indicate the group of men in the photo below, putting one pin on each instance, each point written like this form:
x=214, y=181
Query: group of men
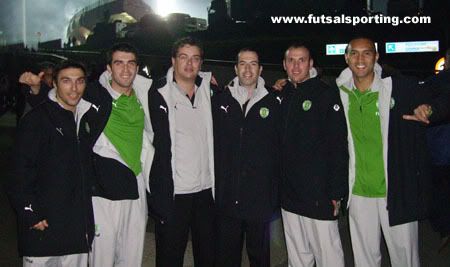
x=219, y=162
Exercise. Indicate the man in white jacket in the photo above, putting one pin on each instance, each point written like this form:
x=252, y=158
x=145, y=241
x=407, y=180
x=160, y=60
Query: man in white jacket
x=182, y=174
x=387, y=187
x=122, y=159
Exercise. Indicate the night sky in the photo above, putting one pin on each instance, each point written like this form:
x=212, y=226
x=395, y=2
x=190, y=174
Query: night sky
x=51, y=17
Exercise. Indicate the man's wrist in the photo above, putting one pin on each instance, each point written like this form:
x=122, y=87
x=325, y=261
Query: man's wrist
x=34, y=90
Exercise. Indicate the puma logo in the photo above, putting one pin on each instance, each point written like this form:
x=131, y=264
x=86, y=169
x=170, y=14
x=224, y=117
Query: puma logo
x=28, y=208
x=225, y=108
x=95, y=107
x=163, y=108
x=60, y=131
x=279, y=99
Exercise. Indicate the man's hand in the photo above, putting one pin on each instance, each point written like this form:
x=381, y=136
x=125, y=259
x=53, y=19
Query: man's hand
x=32, y=80
x=214, y=81
x=40, y=225
x=421, y=114
x=278, y=86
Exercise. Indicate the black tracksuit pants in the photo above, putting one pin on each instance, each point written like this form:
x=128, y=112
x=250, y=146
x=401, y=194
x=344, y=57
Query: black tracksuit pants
x=230, y=238
x=194, y=212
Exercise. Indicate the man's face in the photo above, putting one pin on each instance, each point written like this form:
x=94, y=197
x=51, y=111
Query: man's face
x=361, y=58
x=297, y=63
x=70, y=85
x=123, y=70
x=248, y=69
x=187, y=63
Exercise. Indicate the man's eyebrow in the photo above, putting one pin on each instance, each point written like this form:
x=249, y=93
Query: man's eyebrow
x=70, y=78
x=182, y=53
x=121, y=60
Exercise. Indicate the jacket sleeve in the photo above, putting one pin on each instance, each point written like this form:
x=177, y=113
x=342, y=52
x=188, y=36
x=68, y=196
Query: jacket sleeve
x=440, y=102
x=336, y=134
x=436, y=94
x=24, y=185
x=35, y=100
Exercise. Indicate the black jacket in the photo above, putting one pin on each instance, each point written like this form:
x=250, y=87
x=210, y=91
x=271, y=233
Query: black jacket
x=409, y=182
x=52, y=169
x=315, y=150
x=247, y=162
x=438, y=135
x=112, y=180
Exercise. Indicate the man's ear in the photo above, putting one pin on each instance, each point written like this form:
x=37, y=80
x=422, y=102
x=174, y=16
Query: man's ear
x=108, y=67
x=235, y=70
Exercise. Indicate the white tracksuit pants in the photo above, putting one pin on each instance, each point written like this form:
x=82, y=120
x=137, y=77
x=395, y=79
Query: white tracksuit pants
x=119, y=230
x=365, y=217
x=310, y=240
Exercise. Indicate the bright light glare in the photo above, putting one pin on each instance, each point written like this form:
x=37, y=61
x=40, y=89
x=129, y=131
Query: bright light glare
x=165, y=7
x=439, y=65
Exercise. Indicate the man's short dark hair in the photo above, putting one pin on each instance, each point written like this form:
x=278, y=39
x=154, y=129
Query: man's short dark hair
x=186, y=41
x=296, y=45
x=247, y=49
x=122, y=47
x=45, y=65
x=363, y=38
x=68, y=64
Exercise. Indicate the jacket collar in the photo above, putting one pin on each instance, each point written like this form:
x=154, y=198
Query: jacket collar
x=82, y=107
x=312, y=74
x=140, y=84
x=345, y=79
x=240, y=93
x=202, y=80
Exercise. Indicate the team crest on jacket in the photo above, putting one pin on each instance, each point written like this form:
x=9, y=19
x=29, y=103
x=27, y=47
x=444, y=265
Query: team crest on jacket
x=307, y=105
x=392, y=103
x=336, y=107
x=263, y=112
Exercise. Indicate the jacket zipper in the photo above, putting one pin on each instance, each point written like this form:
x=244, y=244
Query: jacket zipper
x=83, y=188
x=241, y=134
